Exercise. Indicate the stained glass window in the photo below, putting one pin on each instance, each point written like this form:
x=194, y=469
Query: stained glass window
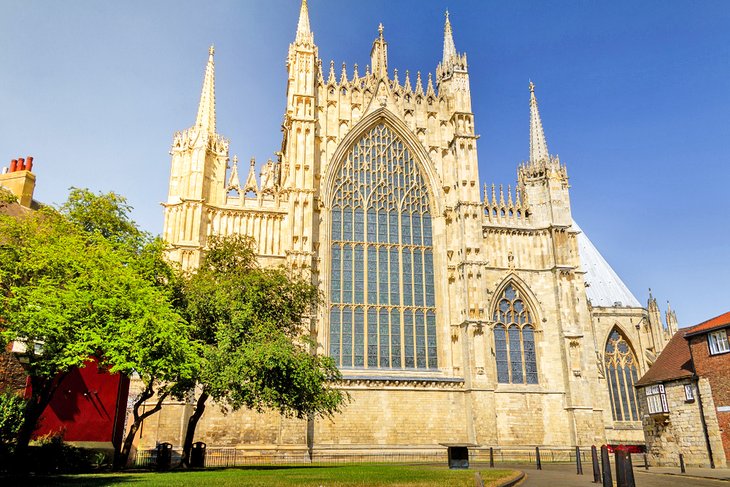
x=514, y=340
x=621, y=373
x=382, y=259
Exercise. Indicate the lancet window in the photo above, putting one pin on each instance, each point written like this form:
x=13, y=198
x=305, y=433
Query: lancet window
x=382, y=304
x=514, y=340
x=621, y=368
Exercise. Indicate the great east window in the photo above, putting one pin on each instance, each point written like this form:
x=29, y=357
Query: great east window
x=621, y=370
x=382, y=305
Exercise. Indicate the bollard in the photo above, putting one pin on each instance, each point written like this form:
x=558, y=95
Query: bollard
x=537, y=458
x=596, y=467
x=578, y=463
x=618, y=456
x=646, y=463
x=606, y=467
x=681, y=463
x=491, y=457
x=628, y=464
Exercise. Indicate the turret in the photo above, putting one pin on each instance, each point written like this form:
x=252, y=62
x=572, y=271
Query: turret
x=543, y=179
x=299, y=157
x=197, y=176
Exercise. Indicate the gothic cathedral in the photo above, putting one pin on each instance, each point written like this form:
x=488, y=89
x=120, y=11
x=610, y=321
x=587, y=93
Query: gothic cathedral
x=457, y=316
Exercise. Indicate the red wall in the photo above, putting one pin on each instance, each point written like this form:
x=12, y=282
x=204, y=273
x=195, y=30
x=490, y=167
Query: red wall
x=89, y=405
x=716, y=368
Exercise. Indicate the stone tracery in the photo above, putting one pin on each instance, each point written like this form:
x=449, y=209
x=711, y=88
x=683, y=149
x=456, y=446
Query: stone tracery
x=382, y=294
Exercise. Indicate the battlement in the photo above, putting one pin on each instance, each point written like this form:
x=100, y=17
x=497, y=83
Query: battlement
x=189, y=138
x=549, y=167
x=509, y=212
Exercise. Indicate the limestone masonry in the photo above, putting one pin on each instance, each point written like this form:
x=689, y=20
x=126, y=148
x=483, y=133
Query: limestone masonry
x=456, y=314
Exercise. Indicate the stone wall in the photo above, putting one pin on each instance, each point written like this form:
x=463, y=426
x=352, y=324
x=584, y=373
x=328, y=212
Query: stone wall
x=680, y=430
x=715, y=369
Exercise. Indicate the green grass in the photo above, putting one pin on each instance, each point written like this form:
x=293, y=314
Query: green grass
x=362, y=475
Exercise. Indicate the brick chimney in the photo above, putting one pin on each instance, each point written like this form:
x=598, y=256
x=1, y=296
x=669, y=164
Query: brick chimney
x=19, y=180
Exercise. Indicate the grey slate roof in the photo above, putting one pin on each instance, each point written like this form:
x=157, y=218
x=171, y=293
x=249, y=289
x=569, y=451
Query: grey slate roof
x=605, y=288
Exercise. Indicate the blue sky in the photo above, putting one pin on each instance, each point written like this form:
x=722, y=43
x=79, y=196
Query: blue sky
x=633, y=96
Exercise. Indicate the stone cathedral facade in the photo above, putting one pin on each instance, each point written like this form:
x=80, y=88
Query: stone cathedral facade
x=457, y=314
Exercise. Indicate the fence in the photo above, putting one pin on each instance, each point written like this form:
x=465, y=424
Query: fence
x=234, y=457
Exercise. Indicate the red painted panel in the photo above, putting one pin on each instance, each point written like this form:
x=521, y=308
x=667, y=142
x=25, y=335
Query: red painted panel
x=89, y=405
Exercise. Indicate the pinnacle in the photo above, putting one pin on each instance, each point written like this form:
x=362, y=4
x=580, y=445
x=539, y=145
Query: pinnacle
x=304, y=33
x=538, y=144
x=449, y=46
x=206, y=108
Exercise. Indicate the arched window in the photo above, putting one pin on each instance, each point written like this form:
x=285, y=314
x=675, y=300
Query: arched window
x=514, y=340
x=382, y=259
x=622, y=372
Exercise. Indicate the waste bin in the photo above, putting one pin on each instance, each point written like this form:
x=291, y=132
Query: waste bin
x=458, y=457
x=164, y=456
x=197, y=455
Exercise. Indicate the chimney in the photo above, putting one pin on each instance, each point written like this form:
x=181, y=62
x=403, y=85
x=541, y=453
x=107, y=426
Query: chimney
x=20, y=181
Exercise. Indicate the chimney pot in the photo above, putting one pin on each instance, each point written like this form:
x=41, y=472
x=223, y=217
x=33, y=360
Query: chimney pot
x=30, y=162
x=21, y=164
x=13, y=165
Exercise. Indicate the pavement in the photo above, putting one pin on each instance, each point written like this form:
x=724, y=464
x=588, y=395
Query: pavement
x=564, y=475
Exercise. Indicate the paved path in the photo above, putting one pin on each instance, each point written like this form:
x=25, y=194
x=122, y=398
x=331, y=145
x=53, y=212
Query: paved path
x=564, y=476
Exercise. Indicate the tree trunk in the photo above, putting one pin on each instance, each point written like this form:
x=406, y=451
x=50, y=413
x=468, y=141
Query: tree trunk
x=121, y=458
x=192, y=424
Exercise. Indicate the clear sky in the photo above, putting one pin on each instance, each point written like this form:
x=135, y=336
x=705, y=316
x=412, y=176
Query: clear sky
x=634, y=97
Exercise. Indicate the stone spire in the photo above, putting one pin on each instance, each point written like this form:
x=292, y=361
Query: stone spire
x=449, y=46
x=379, y=55
x=304, y=33
x=206, y=108
x=538, y=144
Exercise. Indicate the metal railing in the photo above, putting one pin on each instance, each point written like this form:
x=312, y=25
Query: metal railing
x=234, y=457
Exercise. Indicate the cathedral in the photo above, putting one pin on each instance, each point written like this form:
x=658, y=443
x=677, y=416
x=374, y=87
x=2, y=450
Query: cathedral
x=457, y=313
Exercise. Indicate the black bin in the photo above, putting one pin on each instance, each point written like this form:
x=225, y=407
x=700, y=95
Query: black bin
x=197, y=455
x=458, y=457
x=164, y=456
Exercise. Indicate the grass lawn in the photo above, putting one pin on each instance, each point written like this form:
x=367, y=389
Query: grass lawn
x=363, y=475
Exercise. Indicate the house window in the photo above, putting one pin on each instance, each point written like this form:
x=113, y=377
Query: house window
x=689, y=393
x=718, y=342
x=622, y=371
x=656, y=399
x=514, y=340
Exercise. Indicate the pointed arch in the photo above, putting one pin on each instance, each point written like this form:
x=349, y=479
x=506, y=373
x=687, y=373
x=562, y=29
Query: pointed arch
x=621, y=367
x=401, y=130
x=380, y=233
x=515, y=321
x=525, y=293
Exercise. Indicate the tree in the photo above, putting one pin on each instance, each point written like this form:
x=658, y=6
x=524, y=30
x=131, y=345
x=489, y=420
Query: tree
x=82, y=283
x=257, y=351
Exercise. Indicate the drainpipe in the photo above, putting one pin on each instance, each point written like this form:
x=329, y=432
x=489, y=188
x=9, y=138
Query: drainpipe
x=702, y=409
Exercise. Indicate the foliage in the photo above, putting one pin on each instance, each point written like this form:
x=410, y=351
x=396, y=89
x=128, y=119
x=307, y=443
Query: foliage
x=257, y=349
x=11, y=414
x=50, y=454
x=86, y=282
x=105, y=214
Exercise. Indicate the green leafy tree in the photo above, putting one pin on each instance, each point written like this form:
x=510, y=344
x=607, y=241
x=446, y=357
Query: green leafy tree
x=257, y=352
x=85, y=282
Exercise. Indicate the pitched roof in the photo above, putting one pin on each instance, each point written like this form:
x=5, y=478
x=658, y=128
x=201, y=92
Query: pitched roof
x=673, y=363
x=604, y=287
x=715, y=323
